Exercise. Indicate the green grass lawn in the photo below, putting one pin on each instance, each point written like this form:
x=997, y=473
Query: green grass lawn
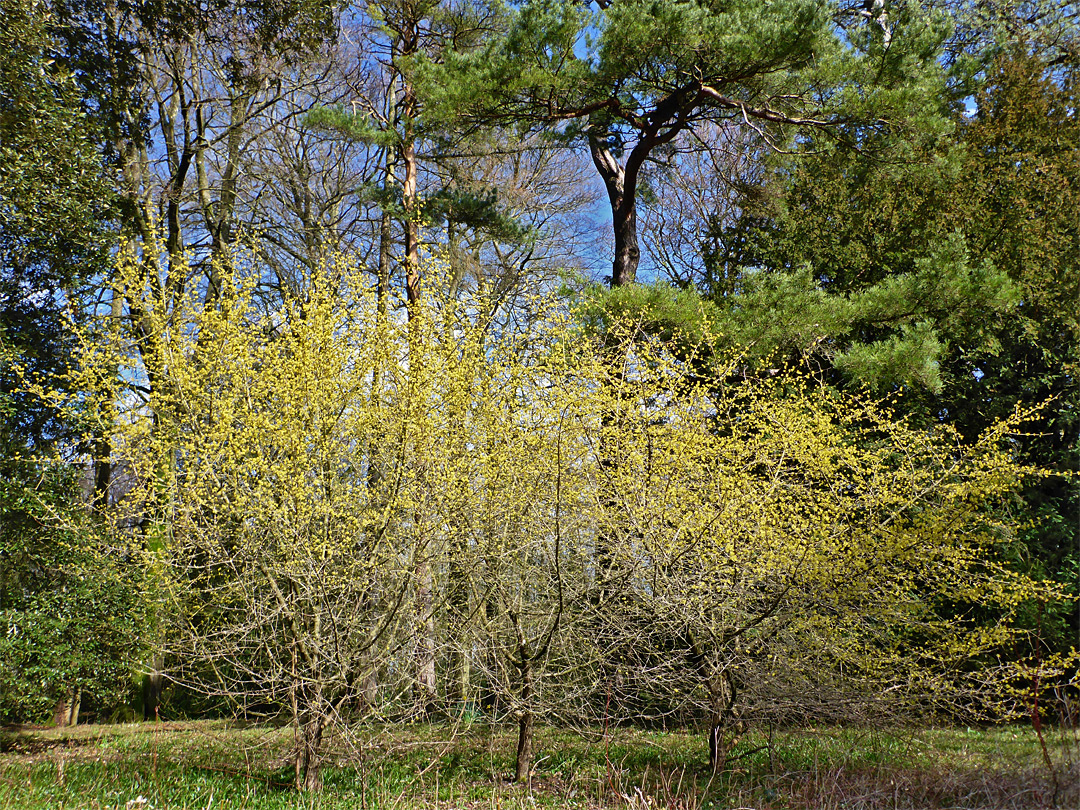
x=203, y=765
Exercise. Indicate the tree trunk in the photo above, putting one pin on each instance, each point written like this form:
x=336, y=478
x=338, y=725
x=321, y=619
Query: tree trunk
x=409, y=197
x=66, y=711
x=460, y=676
x=425, y=643
x=716, y=739
x=308, y=754
x=722, y=702
x=152, y=684
x=369, y=689
x=370, y=685
x=622, y=196
x=383, y=288
x=523, y=762
x=426, y=691
x=720, y=687
x=627, y=254
x=458, y=608
x=489, y=698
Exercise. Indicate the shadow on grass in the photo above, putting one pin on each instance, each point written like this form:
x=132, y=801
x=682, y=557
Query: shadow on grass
x=205, y=765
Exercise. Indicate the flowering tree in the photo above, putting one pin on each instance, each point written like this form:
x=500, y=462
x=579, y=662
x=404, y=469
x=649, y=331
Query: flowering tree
x=319, y=486
x=782, y=549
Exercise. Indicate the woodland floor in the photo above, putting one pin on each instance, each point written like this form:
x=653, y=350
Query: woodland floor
x=217, y=764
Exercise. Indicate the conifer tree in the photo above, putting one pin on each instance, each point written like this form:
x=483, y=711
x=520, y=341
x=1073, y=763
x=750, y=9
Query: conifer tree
x=1002, y=190
x=630, y=77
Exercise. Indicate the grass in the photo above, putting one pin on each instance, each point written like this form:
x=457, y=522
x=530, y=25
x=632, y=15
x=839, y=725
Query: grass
x=204, y=765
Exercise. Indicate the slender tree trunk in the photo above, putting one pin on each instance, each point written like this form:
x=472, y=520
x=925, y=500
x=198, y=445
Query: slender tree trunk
x=426, y=687
x=218, y=213
x=425, y=582
x=621, y=187
x=382, y=289
x=721, y=699
x=621, y=181
x=458, y=599
x=489, y=699
x=720, y=687
x=102, y=472
x=103, y=449
x=369, y=685
x=152, y=682
x=523, y=761
x=409, y=196
x=308, y=755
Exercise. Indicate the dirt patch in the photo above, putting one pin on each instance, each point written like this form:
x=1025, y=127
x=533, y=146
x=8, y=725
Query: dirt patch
x=31, y=745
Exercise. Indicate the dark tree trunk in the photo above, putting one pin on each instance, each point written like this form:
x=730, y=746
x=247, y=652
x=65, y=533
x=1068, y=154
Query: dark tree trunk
x=426, y=687
x=627, y=253
x=66, y=711
x=409, y=186
x=489, y=698
x=383, y=289
x=308, y=753
x=523, y=762
x=458, y=599
x=102, y=473
x=151, y=689
x=622, y=196
x=722, y=704
x=720, y=687
x=669, y=118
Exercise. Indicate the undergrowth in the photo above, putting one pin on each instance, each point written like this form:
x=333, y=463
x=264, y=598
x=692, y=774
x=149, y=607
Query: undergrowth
x=205, y=765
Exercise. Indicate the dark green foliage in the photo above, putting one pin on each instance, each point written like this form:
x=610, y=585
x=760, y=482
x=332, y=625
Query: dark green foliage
x=68, y=608
x=53, y=192
x=961, y=266
x=54, y=211
x=633, y=78
x=71, y=607
x=1023, y=175
x=962, y=231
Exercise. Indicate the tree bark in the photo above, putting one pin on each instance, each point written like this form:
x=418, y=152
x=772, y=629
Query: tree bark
x=409, y=197
x=523, y=761
x=425, y=583
x=668, y=119
x=151, y=689
x=426, y=691
x=66, y=711
x=308, y=752
x=722, y=703
x=720, y=687
x=622, y=196
x=458, y=604
x=382, y=290
x=426, y=687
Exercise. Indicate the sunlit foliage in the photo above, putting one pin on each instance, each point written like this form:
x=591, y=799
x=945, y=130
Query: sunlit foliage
x=591, y=517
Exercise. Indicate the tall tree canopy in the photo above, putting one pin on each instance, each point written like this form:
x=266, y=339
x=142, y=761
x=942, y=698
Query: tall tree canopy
x=629, y=77
x=997, y=196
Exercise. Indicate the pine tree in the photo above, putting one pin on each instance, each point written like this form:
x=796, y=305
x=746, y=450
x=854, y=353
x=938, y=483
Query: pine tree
x=632, y=77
